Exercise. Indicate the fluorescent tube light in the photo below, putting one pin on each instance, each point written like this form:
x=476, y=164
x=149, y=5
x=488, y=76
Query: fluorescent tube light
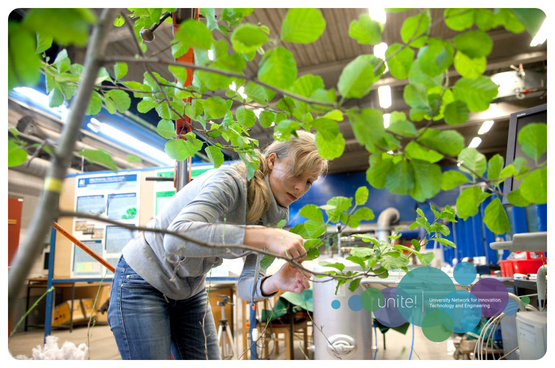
x=38, y=98
x=384, y=94
x=130, y=141
x=377, y=14
x=386, y=118
x=486, y=126
x=379, y=52
x=475, y=142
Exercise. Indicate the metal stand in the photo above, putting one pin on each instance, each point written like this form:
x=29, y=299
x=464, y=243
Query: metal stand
x=224, y=333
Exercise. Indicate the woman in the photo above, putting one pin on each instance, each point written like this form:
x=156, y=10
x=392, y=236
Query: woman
x=158, y=301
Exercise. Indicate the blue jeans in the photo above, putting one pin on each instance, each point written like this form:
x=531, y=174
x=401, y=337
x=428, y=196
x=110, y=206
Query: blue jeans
x=148, y=325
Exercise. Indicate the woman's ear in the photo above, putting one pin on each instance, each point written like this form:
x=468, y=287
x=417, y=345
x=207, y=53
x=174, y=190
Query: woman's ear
x=272, y=160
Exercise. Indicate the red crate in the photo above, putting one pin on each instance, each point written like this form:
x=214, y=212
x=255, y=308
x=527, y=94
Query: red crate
x=530, y=265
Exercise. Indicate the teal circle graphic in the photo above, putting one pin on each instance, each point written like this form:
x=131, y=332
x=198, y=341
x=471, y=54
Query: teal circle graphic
x=336, y=304
x=355, y=303
x=464, y=308
x=465, y=273
x=437, y=326
x=371, y=299
x=511, y=308
x=423, y=289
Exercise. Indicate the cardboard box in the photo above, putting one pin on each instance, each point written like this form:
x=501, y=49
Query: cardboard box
x=87, y=306
x=62, y=312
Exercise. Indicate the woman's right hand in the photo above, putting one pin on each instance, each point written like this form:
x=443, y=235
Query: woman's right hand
x=281, y=242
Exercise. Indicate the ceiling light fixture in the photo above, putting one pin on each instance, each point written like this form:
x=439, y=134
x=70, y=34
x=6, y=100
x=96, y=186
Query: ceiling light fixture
x=486, y=126
x=384, y=94
x=540, y=37
x=475, y=142
x=130, y=141
x=377, y=14
x=379, y=52
x=386, y=118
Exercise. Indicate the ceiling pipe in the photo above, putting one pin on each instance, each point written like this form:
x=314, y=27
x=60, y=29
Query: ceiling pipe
x=38, y=167
x=388, y=217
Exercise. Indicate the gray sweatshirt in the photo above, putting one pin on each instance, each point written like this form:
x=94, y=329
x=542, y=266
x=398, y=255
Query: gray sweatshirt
x=198, y=211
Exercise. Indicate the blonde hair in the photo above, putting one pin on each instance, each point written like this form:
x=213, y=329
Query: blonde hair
x=304, y=156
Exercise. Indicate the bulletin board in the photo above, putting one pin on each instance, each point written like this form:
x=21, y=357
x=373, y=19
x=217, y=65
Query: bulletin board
x=125, y=197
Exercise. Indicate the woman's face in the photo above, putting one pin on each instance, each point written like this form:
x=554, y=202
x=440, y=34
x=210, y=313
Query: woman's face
x=287, y=189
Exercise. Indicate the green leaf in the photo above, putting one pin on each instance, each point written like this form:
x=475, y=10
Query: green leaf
x=506, y=17
x=361, y=196
x=278, y=68
x=496, y=218
x=474, y=44
x=121, y=100
x=427, y=180
x=55, y=97
x=469, y=200
x=495, y=165
x=215, y=155
x=445, y=242
x=448, y=142
x=44, y=42
x=456, y=113
x=403, y=127
x=472, y=160
x=341, y=204
x=416, y=95
x=314, y=229
x=266, y=118
x=245, y=117
x=390, y=262
x=327, y=128
x=266, y=262
x=180, y=73
x=516, y=198
x=400, y=180
x=363, y=213
x=166, y=129
x=367, y=126
x=427, y=258
x=120, y=69
x=65, y=25
x=23, y=63
x=415, y=151
x=193, y=33
x=379, y=169
x=365, y=30
x=312, y=212
x=484, y=19
x=416, y=29
x=362, y=252
x=436, y=57
x=469, y=68
x=176, y=149
x=247, y=38
x=459, y=19
x=330, y=149
x=302, y=25
x=400, y=64
x=358, y=76
x=133, y=159
x=337, y=265
x=416, y=244
x=452, y=179
x=533, y=140
x=16, y=154
x=336, y=115
x=353, y=285
x=95, y=104
x=357, y=260
x=440, y=228
x=215, y=106
x=99, y=157
x=531, y=18
x=534, y=186
x=477, y=93
x=257, y=93
x=147, y=104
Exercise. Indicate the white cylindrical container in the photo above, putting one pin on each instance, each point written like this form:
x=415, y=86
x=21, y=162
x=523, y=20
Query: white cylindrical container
x=347, y=333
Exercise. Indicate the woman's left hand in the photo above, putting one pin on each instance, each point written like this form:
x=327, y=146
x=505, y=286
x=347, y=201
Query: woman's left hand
x=288, y=278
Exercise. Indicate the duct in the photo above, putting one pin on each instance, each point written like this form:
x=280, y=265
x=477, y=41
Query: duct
x=38, y=167
x=20, y=183
x=388, y=217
